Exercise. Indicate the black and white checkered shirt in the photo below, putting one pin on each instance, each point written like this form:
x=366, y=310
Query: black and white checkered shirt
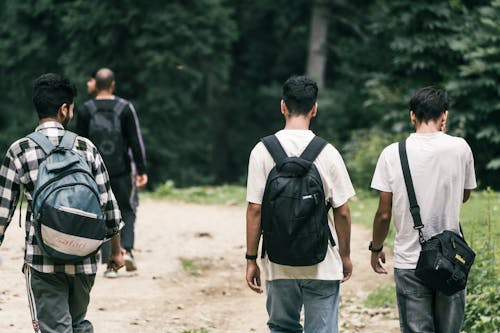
x=20, y=166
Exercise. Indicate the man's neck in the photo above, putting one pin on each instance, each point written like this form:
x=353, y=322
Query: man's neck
x=426, y=128
x=46, y=120
x=104, y=95
x=297, y=123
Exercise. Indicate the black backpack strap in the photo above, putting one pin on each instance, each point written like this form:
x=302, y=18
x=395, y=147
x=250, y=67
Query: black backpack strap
x=414, y=208
x=274, y=148
x=42, y=141
x=313, y=149
x=68, y=140
x=120, y=105
x=90, y=104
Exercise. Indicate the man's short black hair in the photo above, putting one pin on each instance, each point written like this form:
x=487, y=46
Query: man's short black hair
x=50, y=91
x=299, y=94
x=104, y=78
x=428, y=103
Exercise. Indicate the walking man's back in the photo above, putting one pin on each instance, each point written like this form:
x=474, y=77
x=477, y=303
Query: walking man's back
x=294, y=178
x=442, y=169
x=111, y=123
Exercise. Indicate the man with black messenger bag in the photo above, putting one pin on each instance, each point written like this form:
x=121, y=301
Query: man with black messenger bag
x=423, y=181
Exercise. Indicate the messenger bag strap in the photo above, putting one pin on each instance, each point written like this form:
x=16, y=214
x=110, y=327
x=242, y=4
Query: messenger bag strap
x=274, y=148
x=414, y=208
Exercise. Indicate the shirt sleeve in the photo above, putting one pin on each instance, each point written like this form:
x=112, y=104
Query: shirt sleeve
x=256, y=181
x=341, y=188
x=133, y=135
x=9, y=192
x=381, y=179
x=470, y=176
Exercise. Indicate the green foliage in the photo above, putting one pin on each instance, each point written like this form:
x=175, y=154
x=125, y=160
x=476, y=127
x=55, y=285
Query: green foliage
x=205, y=76
x=481, y=224
x=382, y=297
x=362, y=152
x=220, y=195
x=199, y=330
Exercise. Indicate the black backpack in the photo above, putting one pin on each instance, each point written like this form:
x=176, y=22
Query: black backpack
x=294, y=212
x=105, y=131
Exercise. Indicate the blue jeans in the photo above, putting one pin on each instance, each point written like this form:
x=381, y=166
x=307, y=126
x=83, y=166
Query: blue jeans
x=286, y=297
x=424, y=310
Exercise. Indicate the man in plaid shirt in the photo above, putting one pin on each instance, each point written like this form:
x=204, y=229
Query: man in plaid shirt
x=58, y=294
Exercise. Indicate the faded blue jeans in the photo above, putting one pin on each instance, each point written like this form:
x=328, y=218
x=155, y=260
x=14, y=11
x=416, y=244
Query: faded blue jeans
x=286, y=297
x=424, y=310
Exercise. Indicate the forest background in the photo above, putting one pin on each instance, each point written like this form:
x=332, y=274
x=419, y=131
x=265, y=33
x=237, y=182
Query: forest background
x=206, y=75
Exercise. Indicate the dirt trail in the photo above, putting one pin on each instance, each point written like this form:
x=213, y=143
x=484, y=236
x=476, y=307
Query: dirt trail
x=212, y=294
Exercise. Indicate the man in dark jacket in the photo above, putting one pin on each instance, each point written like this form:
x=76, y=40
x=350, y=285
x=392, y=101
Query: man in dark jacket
x=111, y=123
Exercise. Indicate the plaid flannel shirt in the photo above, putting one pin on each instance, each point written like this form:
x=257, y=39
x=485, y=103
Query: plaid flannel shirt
x=20, y=166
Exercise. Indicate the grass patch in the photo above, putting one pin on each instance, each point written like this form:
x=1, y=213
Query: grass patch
x=207, y=195
x=195, y=266
x=199, y=330
x=382, y=297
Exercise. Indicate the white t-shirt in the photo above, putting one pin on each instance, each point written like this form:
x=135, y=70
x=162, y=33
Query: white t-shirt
x=441, y=166
x=337, y=186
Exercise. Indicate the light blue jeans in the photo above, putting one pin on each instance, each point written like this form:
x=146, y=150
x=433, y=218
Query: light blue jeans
x=286, y=297
x=424, y=310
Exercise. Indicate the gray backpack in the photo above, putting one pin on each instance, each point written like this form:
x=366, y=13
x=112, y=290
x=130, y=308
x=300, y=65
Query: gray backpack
x=67, y=215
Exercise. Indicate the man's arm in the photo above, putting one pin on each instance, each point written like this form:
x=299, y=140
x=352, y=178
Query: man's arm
x=133, y=135
x=342, y=220
x=381, y=224
x=9, y=192
x=466, y=195
x=254, y=231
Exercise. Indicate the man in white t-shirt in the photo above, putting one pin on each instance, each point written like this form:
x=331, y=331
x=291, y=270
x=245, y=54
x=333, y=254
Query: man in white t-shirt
x=442, y=169
x=289, y=287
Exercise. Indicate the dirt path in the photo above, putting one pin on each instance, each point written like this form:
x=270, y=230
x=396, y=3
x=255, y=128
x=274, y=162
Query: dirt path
x=208, y=292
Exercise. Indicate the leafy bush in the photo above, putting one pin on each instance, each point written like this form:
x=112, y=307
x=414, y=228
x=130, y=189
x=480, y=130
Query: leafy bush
x=362, y=152
x=481, y=225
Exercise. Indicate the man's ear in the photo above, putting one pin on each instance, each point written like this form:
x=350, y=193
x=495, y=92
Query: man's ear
x=63, y=111
x=413, y=117
x=284, y=110
x=314, y=110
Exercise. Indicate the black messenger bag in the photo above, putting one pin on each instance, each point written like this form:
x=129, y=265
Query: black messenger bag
x=445, y=259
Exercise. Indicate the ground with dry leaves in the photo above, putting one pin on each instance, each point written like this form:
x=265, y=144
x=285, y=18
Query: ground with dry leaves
x=191, y=276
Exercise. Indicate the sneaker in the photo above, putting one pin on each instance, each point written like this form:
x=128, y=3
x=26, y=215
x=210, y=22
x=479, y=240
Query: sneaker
x=130, y=264
x=110, y=273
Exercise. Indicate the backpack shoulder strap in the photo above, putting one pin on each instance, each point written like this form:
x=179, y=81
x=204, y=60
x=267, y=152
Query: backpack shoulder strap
x=90, y=104
x=42, y=141
x=274, y=148
x=120, y=105
x=313, y=149
x=68, y=140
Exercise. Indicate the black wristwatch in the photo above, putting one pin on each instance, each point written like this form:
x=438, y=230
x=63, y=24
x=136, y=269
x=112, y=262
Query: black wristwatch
x=370, y=247
x=250, y=257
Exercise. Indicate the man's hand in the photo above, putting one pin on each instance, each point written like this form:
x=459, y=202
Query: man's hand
x=253, y=276
x=377, y=260
x=116, y=260
x=141, y=180
x=347, y=268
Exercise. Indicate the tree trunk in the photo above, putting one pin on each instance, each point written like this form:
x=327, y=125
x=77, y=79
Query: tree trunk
x=316, y=61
